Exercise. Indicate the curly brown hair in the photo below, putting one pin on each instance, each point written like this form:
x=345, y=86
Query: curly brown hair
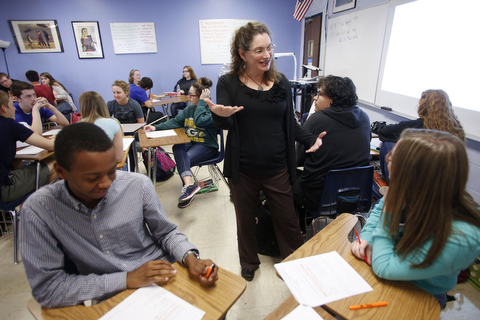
x=437, y=113
x=242, y=40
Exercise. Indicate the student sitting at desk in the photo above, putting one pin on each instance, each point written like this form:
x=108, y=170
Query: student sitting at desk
x=138, y=92
x=16, y=180
x=123, y=108
x=427, y=227
x=197, y=122
x=435, y=112
x=346, y=145
x=94, y=110
x=98, y=231
x=32, y=110
x=183, y=85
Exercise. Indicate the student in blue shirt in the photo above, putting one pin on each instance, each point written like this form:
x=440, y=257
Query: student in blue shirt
x=138, y=92
x=427, y=227
x=33, y=110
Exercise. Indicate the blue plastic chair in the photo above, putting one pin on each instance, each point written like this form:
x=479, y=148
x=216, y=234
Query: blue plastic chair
x=212, y=163
x=11, y=207
x=345, y=188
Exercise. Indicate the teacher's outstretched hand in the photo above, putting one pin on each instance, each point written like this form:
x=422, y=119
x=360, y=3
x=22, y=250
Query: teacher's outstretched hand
x=221, y=110
x=317, y=143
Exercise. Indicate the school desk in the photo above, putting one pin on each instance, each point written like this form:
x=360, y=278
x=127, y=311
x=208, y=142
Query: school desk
x=121, y=164
x=167, y=101
x=151, y=143
x=215, y=300
x=405, y=300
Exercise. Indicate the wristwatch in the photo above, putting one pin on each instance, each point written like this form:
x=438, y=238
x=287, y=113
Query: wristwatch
x=194, y=252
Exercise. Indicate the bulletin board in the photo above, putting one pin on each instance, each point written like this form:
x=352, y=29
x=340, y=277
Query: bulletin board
x=215, y=39
x=137, y=37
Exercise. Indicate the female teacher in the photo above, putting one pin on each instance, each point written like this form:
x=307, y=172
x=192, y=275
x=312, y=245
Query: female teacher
x=255, y=106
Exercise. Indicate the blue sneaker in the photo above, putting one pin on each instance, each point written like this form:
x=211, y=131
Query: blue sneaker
x=188, y=192
x=185, y=204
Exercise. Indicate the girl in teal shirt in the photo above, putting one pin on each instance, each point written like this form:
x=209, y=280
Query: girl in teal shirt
x=427, y=228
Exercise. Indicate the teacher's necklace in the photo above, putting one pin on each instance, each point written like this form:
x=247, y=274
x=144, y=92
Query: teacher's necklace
x=260, y=88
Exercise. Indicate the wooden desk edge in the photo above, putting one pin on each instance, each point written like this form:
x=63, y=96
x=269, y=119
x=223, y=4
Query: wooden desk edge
x=121, y=164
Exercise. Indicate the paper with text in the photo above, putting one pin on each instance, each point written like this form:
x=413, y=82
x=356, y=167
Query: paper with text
x=317, y=280
x=160, y=133
x=304, y=313
x=153, y=303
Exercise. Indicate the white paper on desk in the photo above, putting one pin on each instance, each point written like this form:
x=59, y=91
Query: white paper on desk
x=30, y=150
x=321, y=279
x=304, y=313
x=53, y=132
x=375, y=144
x=21, y=144
x=152, y=303
x=127, y=142
x=131, y=127
x=161, y=133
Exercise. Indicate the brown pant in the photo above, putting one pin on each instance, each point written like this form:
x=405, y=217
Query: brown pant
x=278, y=192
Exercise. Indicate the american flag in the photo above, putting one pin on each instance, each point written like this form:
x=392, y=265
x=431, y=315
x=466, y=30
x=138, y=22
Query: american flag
x=301, y=8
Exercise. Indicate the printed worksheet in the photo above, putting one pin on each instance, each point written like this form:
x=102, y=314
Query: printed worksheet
x=160, y=133
x=317, y=280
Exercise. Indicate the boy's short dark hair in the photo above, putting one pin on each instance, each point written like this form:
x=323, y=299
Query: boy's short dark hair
x=145, y=83
x=18, y=86
x=32, y=75
x=78, y=137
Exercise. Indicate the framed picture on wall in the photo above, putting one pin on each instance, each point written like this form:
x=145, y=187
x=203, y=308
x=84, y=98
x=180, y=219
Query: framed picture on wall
x=342, y=5
x=87, y=39
x=36, y=36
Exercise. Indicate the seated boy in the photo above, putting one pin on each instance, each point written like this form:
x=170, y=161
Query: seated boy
x=98, y=231
x=139, y=93
x=16, y=180
x=32, y=110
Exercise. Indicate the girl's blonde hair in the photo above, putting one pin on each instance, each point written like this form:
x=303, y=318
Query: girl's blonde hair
x=92, y=106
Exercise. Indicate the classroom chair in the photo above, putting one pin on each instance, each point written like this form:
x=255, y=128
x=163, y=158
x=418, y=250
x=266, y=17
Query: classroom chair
x=213, y=169
x=345, y=190
x=12, y=208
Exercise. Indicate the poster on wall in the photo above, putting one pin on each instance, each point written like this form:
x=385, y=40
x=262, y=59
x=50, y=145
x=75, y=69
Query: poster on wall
x=215, y=38
x=88, y=40
x=36, y=36
x=136, y=37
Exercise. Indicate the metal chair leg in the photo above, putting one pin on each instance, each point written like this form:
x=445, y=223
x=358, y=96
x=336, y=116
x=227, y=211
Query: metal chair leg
x=15, y=235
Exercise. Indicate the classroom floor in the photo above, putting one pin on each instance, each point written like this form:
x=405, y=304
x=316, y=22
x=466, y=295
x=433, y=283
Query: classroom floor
x=209, y=223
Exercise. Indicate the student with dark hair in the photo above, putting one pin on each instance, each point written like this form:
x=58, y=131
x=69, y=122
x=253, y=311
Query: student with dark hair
x=197, y=122
x=138, y=92
x=184, y=85
x=17, y=180
x=98, y=231
x=5, y=82
x=423, y=232
x=32, y=110
x=41, y=90
x=346, y=145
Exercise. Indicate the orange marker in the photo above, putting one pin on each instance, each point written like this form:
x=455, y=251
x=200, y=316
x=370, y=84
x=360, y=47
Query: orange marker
x=209, y=270
x=360, y=242
x=369, y=305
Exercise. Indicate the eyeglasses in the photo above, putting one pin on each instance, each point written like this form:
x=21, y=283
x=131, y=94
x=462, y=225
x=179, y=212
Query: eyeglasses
x=192, y=95
x=4, y=81
x=258, y=52
x=388, y=157
x=185, y=71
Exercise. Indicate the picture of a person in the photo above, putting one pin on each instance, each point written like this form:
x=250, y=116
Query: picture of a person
x=88, y=44
x=41, y=42
x=47, y=37
x=30, y=40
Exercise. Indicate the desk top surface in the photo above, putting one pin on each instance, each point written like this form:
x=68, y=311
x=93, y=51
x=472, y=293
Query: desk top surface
x=405, y=300
x=170, y=99
x=145, y=142
x=214, y=300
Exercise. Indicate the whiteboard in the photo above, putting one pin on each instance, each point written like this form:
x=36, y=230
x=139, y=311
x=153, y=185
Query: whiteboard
x=215, y=39
x=354, y=47
x=136, y=37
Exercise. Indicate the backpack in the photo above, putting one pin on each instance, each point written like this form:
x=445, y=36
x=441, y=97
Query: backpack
x=165, y=164
x=265, y=233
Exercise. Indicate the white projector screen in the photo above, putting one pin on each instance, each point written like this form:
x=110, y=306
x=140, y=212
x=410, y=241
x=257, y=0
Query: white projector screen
x=432, y=44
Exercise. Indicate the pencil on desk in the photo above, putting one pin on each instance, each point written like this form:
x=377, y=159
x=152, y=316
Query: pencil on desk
x=368, y=305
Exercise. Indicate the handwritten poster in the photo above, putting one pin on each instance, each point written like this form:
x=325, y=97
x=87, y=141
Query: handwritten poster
x=137, y=37
x=215, y=38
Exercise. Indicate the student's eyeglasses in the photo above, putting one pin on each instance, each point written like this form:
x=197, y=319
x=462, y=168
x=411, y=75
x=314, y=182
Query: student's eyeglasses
x=4, y=81
x=270, y=48
x=388, y=157
x=192, y=95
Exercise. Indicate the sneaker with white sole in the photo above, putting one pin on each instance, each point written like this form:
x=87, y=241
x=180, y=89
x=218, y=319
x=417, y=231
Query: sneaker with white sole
x=185, y=204
x=188, y=192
